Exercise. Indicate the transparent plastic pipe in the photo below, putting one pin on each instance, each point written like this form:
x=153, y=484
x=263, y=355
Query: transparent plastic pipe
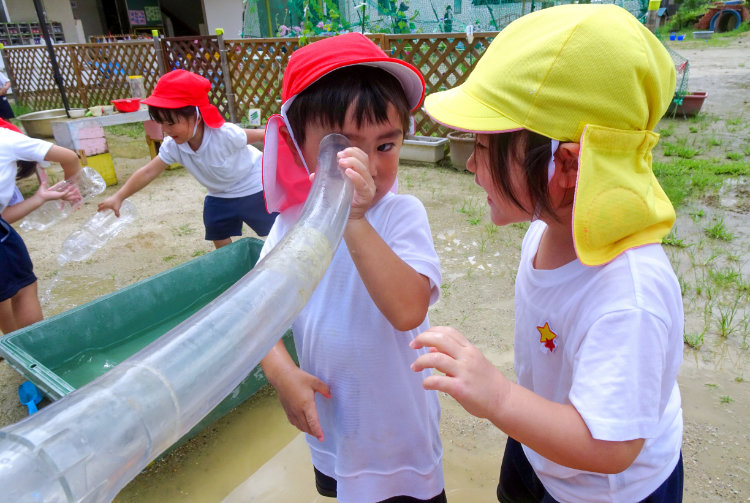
x=89, y=444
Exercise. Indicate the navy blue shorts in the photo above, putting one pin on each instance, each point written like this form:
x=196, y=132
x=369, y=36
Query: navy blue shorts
x=519, y=483
x=223, y=216
x=16, y=269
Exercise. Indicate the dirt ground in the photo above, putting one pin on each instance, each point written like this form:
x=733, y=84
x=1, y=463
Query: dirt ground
x=479, y=263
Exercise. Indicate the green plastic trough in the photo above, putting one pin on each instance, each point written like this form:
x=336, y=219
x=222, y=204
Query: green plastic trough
x=64, y=352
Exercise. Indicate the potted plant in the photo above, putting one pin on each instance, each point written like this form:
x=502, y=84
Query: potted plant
x=461, y=146
x=423, y=148
x=686, y=104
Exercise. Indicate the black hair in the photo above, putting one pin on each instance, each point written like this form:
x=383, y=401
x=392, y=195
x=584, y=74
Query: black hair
x=326, y=101
x=532, y=151
x=25, y=169
x=170, y=115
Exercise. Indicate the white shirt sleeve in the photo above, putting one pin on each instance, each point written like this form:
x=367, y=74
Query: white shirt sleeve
x=168, y=151
x=235, y=135
x=618, y=373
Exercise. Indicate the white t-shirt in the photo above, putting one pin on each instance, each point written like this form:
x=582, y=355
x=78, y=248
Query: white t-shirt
x=224, y=163
x=381, y=427
x=14, y=147
x=608, y=340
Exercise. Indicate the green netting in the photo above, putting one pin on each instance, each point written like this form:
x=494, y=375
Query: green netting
x=682, y=67
x=273, y=18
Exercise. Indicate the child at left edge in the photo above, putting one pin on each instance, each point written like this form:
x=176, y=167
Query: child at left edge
x=19, y=155
x=218, y=154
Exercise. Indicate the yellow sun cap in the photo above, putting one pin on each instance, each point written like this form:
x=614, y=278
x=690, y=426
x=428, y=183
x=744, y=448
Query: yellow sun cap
x=556, y=70
x=590, y=74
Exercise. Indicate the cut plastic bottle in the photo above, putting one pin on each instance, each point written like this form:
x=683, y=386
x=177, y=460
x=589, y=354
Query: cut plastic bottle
x=90, y=184
x=95, y=233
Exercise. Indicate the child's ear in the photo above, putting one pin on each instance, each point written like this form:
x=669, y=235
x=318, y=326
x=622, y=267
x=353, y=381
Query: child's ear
x=566, y=158
x=287, y=138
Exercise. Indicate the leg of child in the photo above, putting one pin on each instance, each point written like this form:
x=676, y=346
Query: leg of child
x=26, y=307
x=218, y=243
x=7, y=321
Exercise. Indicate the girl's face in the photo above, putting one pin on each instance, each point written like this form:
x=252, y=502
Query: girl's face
x=381, y=142
x=503, y=210
x=181, y=130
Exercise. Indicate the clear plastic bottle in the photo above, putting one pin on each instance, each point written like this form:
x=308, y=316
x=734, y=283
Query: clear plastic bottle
x=90, y=184
x=93, y=234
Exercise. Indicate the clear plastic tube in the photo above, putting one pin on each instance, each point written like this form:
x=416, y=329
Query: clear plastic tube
x=89, y=444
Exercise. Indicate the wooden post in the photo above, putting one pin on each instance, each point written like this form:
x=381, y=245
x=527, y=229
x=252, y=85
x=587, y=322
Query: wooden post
x=652, y=18
x=224, y=64
x=158, y=52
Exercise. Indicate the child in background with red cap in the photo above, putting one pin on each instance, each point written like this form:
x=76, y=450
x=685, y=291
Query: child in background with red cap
x=372, y=430
x=216, y=153
x=19, y=155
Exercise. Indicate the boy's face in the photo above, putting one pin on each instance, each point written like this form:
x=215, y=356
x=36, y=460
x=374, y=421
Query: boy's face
x=181, y=130
x=381, y=142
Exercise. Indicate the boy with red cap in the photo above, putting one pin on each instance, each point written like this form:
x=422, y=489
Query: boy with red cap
x=19, y=154
x=216, y=153
x=372, y=430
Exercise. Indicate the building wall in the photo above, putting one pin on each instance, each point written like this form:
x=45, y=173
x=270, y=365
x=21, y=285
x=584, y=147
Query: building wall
x=226, y=14
x=23, y=11
x=90, y=14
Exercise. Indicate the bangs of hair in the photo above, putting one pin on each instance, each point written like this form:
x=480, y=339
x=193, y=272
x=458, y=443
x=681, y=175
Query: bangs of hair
x=530, y=150
x=369, y=89
x=170, y=115
x=25, y=169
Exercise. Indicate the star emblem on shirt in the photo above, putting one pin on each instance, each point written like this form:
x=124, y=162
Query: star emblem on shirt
x=547, y=337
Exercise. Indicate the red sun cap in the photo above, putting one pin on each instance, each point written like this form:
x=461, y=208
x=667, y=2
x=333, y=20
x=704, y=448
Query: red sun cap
x=180, y=88
x=286, y=183
x=311, y=62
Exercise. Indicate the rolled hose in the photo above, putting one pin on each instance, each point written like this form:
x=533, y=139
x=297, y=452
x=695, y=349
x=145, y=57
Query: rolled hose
x=88, y=445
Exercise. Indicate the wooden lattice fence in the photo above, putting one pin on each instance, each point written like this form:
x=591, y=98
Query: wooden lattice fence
x=92, y=74
x=201, y=55
x=443, y=61
x=244, y=73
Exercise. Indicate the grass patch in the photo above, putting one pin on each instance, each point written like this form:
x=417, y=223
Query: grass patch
x=20, y=109
x=719, y=231
x=133, y=130
x=671, y=239
x=684, y=179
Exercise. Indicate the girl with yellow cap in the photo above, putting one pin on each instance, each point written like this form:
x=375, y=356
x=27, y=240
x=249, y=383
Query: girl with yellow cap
x=563, y=104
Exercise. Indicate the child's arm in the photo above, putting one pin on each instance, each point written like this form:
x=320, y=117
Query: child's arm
x=67, y=159
x=255, y=135
x=43, y=194
x=142, y=177
x=555, y=431
x=400, y=292
x=296, y=389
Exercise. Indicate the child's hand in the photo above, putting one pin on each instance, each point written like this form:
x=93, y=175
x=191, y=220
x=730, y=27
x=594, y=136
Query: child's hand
x=297, y=394
x=469, y=377
x=356, y=166
x=111, y=203
x=60, y=190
